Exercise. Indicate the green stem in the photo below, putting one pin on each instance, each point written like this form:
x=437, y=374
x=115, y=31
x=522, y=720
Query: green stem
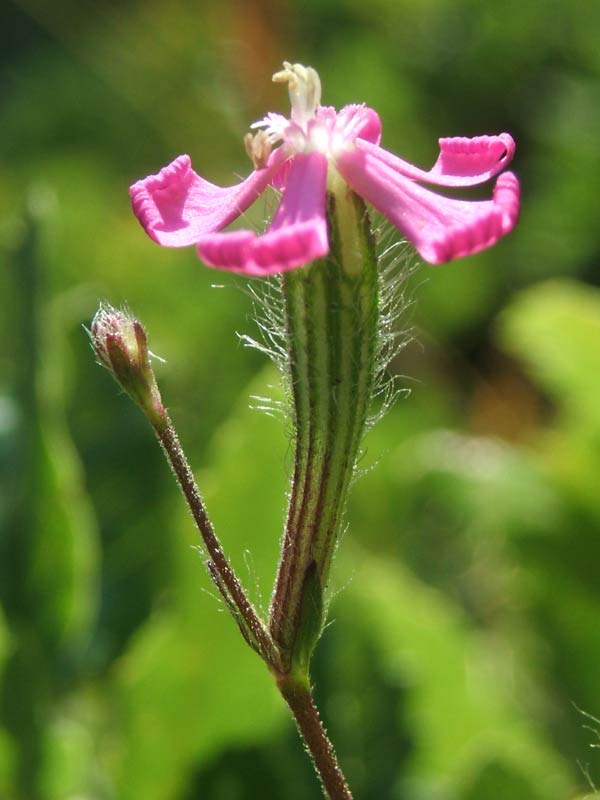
x=299, y=698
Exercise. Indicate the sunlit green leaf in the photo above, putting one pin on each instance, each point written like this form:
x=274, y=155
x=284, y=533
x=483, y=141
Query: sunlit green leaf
x=462, y=704
x=555, y=329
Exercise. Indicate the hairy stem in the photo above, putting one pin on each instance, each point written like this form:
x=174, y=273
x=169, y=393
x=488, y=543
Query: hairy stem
x=251, y=626
x=298, y=696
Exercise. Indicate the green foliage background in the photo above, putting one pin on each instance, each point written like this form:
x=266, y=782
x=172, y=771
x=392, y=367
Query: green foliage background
x=465, y=637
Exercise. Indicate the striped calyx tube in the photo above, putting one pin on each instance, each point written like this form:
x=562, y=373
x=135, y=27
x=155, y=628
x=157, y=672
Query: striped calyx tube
x=331, y=317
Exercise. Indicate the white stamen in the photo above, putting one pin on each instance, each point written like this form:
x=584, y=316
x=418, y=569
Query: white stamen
x=304, y=87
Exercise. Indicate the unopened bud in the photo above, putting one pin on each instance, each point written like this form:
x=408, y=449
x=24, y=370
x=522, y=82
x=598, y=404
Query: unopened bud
x=121, y=345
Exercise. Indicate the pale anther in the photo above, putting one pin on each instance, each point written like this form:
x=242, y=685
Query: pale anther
x=258, y=148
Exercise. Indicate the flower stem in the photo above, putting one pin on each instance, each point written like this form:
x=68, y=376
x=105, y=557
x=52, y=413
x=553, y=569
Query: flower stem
x=294, y=689
x=252, y=627
x=298, y=696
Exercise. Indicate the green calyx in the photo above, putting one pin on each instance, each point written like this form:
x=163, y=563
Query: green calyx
x=332, y=313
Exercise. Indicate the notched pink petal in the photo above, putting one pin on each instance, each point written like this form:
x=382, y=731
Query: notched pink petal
x=478, y=224
x=176, y=207
x=226, y=250
x=477, y=158
x=359, y=122
x=298, y=233
x=462, y=161
x=259, y=256
x=440, y=228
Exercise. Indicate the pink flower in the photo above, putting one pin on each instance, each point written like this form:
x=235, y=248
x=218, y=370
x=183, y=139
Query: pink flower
x=318, y=150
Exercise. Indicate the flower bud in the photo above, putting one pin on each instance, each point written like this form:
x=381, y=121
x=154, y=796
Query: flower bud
x=120, y=344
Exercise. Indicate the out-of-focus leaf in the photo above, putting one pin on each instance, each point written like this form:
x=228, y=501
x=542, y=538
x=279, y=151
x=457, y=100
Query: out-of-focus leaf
x=64, y=566
x=7, y=748
x=564, y=126
x=8, y=759
x=462, y=705
x=68, y=760
x=63, y=570
x=50, y=540
x=554, y=328
x=50, y=561
x=5, y=641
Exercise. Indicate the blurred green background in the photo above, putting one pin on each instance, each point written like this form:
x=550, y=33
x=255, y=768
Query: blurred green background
x=464, y=646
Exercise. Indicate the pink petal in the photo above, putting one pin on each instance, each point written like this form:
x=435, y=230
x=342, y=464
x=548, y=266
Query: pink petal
x=462, y=161
x=177, y=206
x=440, y=228
x=359, y=121
x=280, y=178
x=297, y=235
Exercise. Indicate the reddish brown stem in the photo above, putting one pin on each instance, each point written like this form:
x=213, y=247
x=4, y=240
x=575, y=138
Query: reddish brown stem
x=219, y=567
